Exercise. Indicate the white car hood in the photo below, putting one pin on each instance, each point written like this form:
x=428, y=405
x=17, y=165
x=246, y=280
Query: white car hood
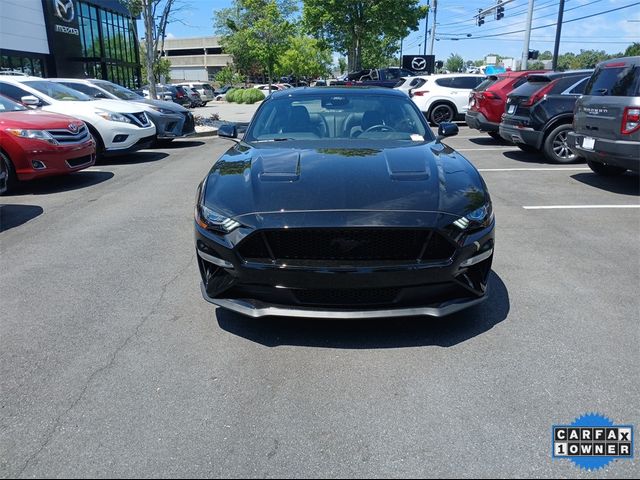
x=90, y=107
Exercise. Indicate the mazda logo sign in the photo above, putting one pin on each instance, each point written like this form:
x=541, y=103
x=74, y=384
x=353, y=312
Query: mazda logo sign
x=64, y=10
x=418, y=63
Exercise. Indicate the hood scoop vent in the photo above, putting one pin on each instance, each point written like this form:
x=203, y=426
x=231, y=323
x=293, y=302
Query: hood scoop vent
x=280, y=167
x=405, y=164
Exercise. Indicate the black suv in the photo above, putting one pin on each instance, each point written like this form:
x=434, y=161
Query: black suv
x=607, y=118
x=539, y=113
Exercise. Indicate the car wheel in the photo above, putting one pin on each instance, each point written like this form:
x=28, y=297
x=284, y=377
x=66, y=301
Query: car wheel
x=12, y=179
x=526, y=148
x=98, y=141
x=605, y=170
x=556, y=148
x=441, y=112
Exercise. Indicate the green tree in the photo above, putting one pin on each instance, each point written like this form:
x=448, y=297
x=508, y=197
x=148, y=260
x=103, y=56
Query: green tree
x=535, y=65
x=161, y=67
x=342, y=65
x=305, y=57
x=255, y=33
x=351, y=27
x=228, y=76
x=546, y=55
x=633, y=50
x=455, y=63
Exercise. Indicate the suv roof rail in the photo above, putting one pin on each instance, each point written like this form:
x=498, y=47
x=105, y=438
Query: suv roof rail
x=17, y=73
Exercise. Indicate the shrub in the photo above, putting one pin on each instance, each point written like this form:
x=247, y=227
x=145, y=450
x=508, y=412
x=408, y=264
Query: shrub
x=251, y=95
x=230, y=95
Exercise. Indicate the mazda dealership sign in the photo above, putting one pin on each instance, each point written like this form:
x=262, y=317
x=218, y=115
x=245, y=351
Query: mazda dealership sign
x=419, y=63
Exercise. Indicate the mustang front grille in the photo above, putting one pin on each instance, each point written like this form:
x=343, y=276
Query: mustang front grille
x=355, y=246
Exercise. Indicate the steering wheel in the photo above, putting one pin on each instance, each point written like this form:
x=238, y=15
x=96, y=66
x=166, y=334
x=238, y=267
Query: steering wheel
x=379, y=128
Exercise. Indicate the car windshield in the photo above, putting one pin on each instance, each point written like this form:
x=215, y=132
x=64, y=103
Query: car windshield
x=339, y=116
x=58, y=91
x=7, y=105
x=120, y=92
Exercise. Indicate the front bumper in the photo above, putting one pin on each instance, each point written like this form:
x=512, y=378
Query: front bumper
x=478, y=121
x=39, y=159
x=173, y=126
x=131, y=137
x=145, y=142
x=619, y=153
x=432, y=288
x=521, y=135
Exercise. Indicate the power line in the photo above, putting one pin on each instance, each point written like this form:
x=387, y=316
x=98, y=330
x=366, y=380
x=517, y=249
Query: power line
x=475, y=37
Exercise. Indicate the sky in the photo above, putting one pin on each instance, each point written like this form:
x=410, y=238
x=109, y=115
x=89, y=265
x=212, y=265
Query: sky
x=611, y=32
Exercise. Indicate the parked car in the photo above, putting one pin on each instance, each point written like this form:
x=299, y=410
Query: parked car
x=375, y=77
x=170, y=93
x=171, y=120
x=487, y=101
x=206, y=91
x=445, y=97
x=607, y=118
x=194, y=97
x=265, y=88
x=222, y=92
x=539, y=113
x=407, y=84
x=397, y=224
x=37, y=144
x=117, y=127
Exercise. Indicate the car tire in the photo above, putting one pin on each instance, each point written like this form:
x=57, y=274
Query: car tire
x=441, y=112
x=605, y=170
x=99, y=143
x=555, y=145
x=527, y=148
x=12, y=179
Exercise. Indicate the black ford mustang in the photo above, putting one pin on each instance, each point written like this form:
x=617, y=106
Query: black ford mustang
x=339, y=202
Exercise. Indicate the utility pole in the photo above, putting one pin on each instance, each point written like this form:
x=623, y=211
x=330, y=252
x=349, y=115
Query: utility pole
x=527, y=37
x=556, y=47
x=426, y=28
x=433, y=30
x=401, y=40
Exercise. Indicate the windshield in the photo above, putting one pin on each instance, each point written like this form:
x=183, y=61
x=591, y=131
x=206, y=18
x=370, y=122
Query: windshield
x=7, y=105
x=339, y=116
x=120, y=92
x=58, y=91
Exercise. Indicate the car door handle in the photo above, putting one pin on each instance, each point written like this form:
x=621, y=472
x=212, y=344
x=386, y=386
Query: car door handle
x=589, y=127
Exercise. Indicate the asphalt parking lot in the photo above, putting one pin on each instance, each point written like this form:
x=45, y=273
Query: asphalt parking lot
x=113, y=365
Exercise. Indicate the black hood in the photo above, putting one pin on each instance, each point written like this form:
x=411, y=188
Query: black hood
x=351, y=175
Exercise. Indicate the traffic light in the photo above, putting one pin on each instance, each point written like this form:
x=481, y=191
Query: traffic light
x=480, y=20
x=533, y=54
x=499, y=10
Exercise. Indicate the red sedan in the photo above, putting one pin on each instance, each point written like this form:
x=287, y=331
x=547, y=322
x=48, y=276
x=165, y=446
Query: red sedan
x=36, y=144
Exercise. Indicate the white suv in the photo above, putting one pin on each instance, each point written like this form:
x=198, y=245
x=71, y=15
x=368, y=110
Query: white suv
x=116, y=126
x=207, y=94
x=443, y=98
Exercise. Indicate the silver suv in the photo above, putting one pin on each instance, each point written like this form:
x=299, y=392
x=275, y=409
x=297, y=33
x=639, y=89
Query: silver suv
x=607, y=118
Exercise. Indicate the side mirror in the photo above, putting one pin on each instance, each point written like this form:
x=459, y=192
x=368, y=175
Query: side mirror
x=410, y=92
x=100, y=95
x=31, y=101
x=447, y=129
x=228, y=130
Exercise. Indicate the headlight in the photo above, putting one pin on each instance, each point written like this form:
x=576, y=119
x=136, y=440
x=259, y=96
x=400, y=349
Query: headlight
x=33, y=134
x=210, y=220
x=478, y=218
x=163, y=110
x=113, y=116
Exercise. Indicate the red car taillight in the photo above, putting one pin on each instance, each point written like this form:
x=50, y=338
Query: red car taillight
x=421, y=93
x=491, y=95
x=630, y=120
x=537, y=96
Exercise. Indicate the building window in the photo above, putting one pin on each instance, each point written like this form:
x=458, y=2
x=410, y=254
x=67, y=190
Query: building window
x=26, y=64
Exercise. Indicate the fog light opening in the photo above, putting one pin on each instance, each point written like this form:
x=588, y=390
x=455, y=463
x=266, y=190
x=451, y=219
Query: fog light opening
x=38, y=165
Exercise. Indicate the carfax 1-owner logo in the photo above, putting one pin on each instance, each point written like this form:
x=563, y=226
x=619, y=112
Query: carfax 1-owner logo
x=592, y=441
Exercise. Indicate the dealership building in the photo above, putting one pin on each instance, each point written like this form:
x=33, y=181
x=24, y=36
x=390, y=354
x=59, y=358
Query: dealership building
x=70, y=38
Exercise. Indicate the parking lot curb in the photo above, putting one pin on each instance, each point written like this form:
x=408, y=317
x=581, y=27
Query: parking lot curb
x=207, y=133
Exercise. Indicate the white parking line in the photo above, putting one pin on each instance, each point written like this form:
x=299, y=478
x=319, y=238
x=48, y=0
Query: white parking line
x=557, y=207
x=534, y=169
